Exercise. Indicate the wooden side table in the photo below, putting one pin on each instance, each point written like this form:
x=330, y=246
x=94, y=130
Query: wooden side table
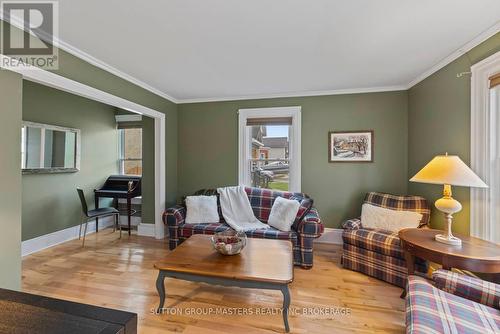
x=474, y=254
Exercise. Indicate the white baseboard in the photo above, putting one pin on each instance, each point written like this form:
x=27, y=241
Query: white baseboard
x=134, y=221
x=48, y=240
x=331, y=236
x=135, y=200
x=147, y=230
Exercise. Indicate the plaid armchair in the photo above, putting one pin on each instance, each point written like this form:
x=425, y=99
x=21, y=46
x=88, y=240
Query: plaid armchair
x=378, y=253
x=305, y=229
x=456, y=304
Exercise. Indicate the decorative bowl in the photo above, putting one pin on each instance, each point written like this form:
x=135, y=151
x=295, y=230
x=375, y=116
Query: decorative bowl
x=229, y=242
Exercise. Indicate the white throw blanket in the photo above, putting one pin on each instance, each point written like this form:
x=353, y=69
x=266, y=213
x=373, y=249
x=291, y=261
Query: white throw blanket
x=237, y=211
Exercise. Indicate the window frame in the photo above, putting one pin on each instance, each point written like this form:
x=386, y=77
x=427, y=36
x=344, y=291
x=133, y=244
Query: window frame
x=121, y=152
x=481, y=224
x=244, y=142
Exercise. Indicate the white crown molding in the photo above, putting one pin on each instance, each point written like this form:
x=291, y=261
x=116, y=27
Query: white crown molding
x=60, y=44
x=297, y=94
x=461, y=51
x=103, y=65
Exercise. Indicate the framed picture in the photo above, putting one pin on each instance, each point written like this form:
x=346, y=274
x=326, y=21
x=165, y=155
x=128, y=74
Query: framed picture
x=350, y=146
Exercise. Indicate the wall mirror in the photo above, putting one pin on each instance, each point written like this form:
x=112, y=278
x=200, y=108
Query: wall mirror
x=49, y=149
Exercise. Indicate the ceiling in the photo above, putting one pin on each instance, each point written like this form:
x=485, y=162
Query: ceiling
x=230, y=49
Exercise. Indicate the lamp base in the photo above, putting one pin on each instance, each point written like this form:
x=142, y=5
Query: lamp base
x=450, y=240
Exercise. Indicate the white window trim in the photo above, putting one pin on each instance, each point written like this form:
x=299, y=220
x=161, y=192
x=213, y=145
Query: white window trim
x=121, y=153
x=128, y=118
x=295, y=141
x=480, y=225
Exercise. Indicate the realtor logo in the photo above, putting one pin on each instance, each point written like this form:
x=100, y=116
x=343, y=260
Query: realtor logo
x=29, y=33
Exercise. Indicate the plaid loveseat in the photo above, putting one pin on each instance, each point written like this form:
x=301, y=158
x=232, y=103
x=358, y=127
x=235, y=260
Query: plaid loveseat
x=305, y=229
x=454, y=304
x=378, y=253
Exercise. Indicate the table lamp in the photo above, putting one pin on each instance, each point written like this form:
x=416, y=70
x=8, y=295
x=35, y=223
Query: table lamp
x=448, y=170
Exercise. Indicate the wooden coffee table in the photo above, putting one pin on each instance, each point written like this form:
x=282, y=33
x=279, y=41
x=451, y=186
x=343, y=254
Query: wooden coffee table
x=262, y=264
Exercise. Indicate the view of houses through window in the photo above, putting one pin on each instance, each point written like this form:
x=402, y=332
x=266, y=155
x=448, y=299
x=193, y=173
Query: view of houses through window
x=130, y=151
x=269, y=163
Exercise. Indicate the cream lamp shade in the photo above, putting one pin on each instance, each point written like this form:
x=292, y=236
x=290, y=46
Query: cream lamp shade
x=448, y=169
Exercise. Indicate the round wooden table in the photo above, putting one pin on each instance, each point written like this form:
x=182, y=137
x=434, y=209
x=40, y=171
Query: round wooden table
x=474, y=254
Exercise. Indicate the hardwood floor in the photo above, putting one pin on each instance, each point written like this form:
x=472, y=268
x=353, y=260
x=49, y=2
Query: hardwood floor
x=119, y=274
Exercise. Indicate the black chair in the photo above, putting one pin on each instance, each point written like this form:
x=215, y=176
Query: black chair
x=93, y=214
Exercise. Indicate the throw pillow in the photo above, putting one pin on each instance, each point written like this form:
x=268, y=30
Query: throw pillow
x=201, y=210
x=306, y=204
x=386, y=219
x=283, y=213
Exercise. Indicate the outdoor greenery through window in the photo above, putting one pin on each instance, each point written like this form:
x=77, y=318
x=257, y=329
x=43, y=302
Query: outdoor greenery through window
x=269, y=162
x=130, y=140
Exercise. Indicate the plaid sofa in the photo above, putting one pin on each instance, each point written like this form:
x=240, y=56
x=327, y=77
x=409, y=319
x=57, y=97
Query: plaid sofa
x=305, y=229
x=456, y=304
x=378, y=253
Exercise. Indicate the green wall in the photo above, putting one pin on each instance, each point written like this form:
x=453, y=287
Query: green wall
x=148, y=142
x=76, y=69
x=10, y=179
x=208, y=147
x=439, y=122
x=11, y=100
x=49, y=201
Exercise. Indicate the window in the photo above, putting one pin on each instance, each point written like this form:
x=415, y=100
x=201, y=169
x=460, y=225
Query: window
x=494, y=179
x=269, y=155
x=130, y=141
x=485, y=148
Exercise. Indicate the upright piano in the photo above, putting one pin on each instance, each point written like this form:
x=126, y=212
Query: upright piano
x=120, y=186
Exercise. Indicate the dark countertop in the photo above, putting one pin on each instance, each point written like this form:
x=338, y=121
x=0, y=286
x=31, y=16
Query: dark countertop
x=27, y=313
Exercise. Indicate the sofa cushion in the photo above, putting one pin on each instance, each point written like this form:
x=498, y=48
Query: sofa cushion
x=401, y=203
x=306, y=204
x=430, y=310
x=261, y=201
x=377, y=217
x=379, y=241
x=272, y=233
x=352, y=224
x=387, y=268
x=201, y=209
x=207, y=192
x=283, y=213
x=472, y=288
x=187, y=230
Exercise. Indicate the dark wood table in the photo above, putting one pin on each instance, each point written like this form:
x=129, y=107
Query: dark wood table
x=27, y=313
x=475, y=255
x=262, y=264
